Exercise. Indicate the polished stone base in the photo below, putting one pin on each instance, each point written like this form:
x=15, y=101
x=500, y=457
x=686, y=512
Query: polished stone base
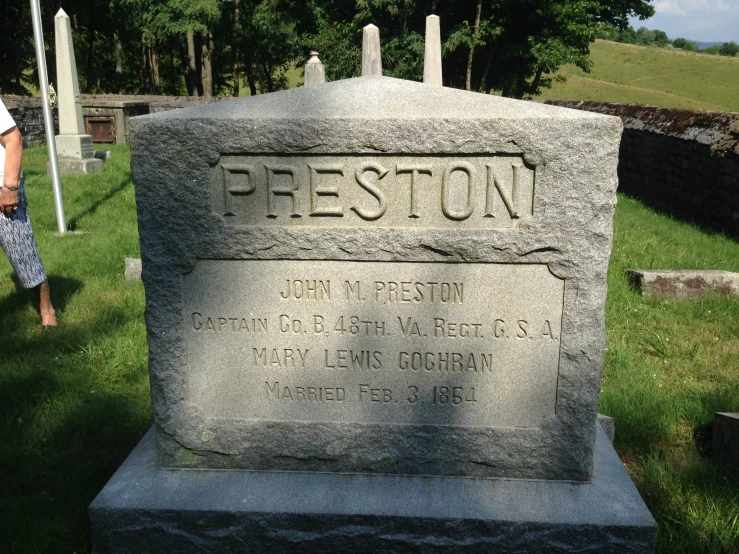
x=145, y=509
x=86, y=166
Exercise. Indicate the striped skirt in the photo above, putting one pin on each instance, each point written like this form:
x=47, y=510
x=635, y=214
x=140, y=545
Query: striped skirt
x=19, y=244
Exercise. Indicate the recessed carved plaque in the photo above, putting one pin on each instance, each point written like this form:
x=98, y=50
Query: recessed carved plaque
x=407, y=191
x=382, y=342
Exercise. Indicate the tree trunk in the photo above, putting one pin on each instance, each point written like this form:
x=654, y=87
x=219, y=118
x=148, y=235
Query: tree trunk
x=172, y=70
x=250, y=79
x=235, y=50
x=143, y=88
x=118, y=62
x=199, y=62
x=259, y=67
x=507, y=88
x=154, y=64
x=268, y=77
x=486, y=71
x=475, y=32
x=520, y=85
x=537, y=79
x=90, y=53
x=207, y=69
x=192, y=70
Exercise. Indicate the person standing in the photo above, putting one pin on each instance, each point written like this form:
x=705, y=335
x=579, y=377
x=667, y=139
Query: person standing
x=16, y=233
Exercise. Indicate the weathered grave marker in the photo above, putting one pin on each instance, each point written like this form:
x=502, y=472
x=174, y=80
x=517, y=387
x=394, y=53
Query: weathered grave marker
x=74, y=146
x=432, y=52
x=315, y=73
x=371, y=55
x=386, y=278
x=683, y=284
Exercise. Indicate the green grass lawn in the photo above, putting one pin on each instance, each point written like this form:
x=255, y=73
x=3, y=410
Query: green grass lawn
x=662, y=77
x=74, y=402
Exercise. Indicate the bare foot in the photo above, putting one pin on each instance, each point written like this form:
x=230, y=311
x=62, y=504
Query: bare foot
x=46, y=309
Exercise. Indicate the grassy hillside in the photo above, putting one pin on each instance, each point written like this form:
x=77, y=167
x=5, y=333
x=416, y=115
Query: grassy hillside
x=639, y=74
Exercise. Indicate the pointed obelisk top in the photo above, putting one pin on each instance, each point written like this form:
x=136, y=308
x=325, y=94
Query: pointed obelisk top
x=67, y=85
x=432, y=52
x=371, y=54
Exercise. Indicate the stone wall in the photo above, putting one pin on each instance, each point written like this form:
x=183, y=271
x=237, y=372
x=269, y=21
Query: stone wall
x=29, y=116
x=683, y=162
x=156, y=103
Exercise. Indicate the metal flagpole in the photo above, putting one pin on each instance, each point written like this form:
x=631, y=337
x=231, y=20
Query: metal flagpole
x=38, y=37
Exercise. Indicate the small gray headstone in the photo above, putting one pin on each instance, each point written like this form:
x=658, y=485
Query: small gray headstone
x=681, y=284
x=133, y=269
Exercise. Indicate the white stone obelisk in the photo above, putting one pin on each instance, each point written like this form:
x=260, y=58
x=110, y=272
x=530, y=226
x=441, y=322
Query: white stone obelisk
x=432, y=52
x=74, y=147
x=371, y=54
x=315, y=73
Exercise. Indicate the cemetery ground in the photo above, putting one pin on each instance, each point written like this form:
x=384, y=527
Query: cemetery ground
x=75, y=401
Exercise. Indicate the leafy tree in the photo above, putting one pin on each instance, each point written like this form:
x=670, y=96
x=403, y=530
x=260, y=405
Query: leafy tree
x=712, y=50
x=685, y=44
x=204, y=47
x=660, y=38
x=17, y=54
x=627, y=35
x=729, y=49
x=513, y=47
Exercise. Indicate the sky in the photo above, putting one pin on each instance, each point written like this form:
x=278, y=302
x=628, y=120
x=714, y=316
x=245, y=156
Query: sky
x=702, y=20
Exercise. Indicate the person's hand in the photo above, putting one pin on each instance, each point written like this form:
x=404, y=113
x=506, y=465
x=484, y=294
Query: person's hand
x=9, y=201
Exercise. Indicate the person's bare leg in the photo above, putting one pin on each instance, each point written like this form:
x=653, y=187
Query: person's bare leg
x=46, y=309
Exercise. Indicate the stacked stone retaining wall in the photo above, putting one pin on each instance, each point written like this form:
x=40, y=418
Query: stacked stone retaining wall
x=683, y=162
x=29, y=116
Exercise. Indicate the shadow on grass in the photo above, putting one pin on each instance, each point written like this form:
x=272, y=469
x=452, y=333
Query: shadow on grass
x=691, y=215
x=64, y=429
x=52, y=480
x=92, y=208
x=61, y=290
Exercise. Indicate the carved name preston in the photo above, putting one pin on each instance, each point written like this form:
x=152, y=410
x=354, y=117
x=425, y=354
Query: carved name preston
x=405, y=191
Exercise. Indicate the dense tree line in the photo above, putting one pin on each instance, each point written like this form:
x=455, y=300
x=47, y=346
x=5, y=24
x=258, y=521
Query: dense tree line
x=207, y=47
x=648, y=37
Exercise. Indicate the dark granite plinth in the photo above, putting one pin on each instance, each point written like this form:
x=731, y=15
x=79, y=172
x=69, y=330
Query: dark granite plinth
x=146, y=509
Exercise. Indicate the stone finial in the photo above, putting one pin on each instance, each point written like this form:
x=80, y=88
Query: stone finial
x=315, y=72
x=371, y=53
x=432, y=52
x=68, y=95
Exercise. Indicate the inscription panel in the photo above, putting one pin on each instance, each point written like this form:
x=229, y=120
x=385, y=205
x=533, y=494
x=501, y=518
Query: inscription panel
x=380, y=342
x=406, y=191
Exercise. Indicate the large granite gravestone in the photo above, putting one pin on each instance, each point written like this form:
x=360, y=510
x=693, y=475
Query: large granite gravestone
x=365, y=278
